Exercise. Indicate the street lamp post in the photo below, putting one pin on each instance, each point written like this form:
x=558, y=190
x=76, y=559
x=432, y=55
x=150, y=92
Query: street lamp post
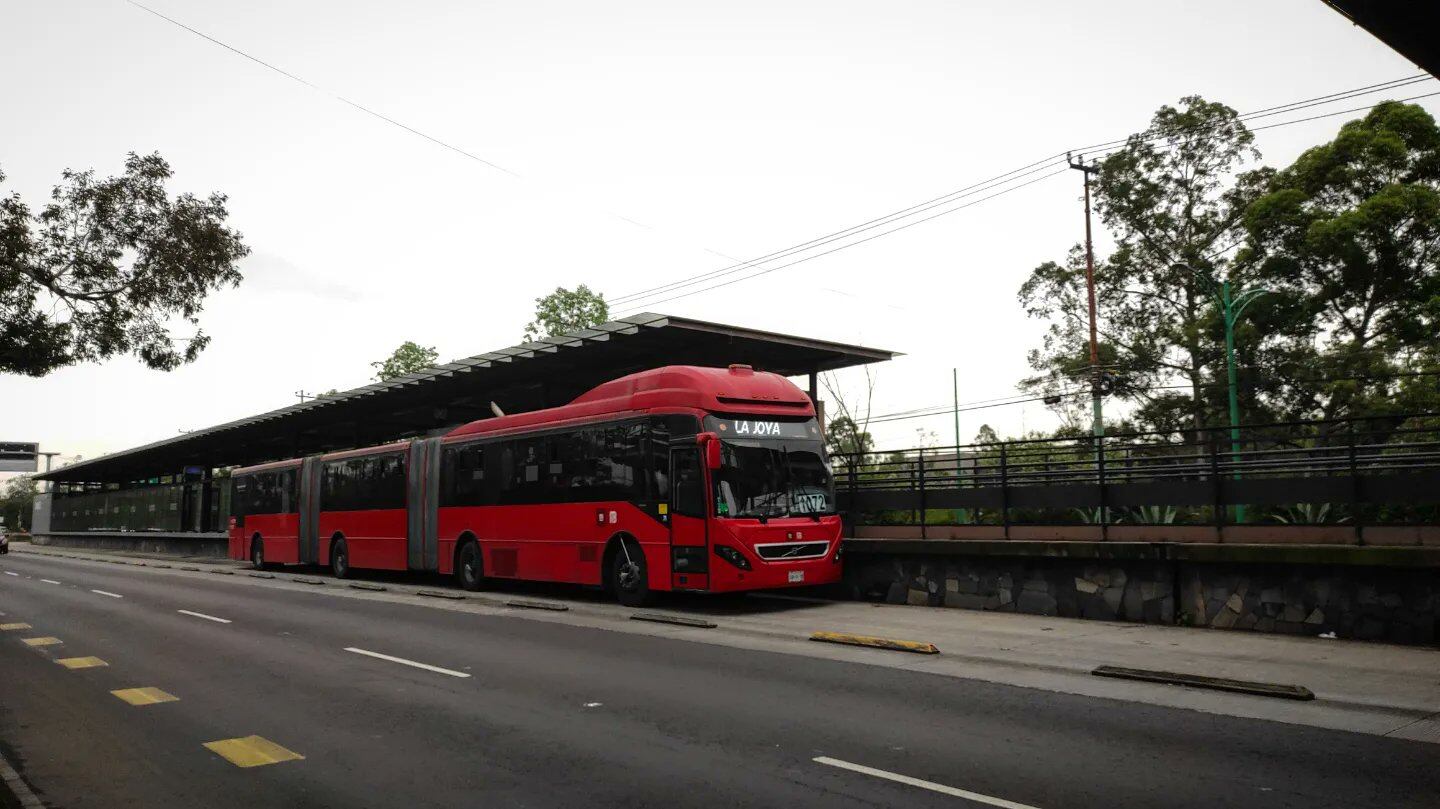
x=1232, y=304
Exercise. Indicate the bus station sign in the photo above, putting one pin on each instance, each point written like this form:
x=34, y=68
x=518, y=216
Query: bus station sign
x=18, y=456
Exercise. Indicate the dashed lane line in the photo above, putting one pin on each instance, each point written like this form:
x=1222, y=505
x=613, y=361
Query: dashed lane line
x=916, y=782
x=148, y=695
x=11, y=573
x=50, y=581
x=107, y=593
x=203, y=615
x=402, y=661
x=252, y=751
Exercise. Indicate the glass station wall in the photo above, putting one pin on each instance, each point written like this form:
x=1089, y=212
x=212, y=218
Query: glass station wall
x=163, y=504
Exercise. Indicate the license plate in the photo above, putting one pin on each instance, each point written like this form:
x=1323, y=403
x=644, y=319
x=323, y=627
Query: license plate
x=797, y=576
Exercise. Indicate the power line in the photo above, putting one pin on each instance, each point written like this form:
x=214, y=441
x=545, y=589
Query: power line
x=854, y=243
x=318, y=88
x=985, y=185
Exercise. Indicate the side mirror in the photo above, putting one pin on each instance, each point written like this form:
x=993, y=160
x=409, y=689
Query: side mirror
x=710, y=443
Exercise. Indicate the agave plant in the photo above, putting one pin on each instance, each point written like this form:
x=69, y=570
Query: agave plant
x=1091, y=516
x=1307, y=514
x=1155, y=515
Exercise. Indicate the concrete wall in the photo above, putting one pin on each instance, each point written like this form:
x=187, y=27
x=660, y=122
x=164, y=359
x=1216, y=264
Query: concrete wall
x=1394, y=603
x=177, y=544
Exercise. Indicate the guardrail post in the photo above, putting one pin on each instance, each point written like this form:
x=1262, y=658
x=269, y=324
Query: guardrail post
x=1004, y=495
x=1355, y=502
x=1102, y=516
x=920, y=473
x=1215, y=484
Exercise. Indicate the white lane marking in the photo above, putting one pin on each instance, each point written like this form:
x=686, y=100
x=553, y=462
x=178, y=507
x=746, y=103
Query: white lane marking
x=50, y=581
x=206, y=617
x=916, y=782
x=105, y=593
x=402, y=661
x=593, y=704
x=11, y=573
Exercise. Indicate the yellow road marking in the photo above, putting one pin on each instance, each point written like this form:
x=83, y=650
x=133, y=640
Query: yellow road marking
x=876, y=643
x=252, y=751
x=13, y=627
x=42, y=641
x=81, y=662
x=144, y=696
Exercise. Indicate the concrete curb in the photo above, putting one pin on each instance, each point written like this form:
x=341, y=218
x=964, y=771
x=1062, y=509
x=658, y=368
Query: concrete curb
x=537, y=605
x=1280, y=690
x=361, y=585
x=439, y=594
x=306, y=580
x=916, y=647
x=18, y=787
x=680, y=620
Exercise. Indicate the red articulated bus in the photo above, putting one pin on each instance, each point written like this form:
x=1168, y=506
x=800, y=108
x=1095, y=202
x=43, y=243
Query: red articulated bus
x=679, y=478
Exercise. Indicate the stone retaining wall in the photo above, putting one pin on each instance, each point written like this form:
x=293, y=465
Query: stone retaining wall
x=1373, y=603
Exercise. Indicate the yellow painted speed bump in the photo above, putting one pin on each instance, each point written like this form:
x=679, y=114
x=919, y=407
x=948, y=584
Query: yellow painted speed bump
x=42, y=641
x=876, y=643
x=252, y=751
x=13, y=627
x=144, y=696
x=81, y=662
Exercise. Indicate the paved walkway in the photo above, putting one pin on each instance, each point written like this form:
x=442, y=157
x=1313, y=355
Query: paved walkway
x=1359, y=686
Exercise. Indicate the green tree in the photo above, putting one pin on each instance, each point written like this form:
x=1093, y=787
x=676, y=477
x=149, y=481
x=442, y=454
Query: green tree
x=17, y=502
x=564, y=311
x=1174, y=195
x=106, y=268
x=407, y=359
x=843, y=437
x=1349, y=238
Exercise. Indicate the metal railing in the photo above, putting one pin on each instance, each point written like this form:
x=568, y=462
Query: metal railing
x=1382, y=468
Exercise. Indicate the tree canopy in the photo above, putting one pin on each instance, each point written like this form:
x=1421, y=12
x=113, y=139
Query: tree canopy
x=108, y=267
x=1345, y=241
x=407, y=359
x=1349, y=238
x=565, y=310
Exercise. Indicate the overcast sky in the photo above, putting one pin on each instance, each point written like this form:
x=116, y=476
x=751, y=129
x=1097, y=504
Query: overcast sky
x=649, y=139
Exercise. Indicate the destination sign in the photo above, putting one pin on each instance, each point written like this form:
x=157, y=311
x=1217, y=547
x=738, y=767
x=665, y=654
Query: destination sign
x=764, y=428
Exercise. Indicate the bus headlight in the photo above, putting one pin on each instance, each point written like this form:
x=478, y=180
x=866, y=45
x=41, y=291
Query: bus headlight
x=732, y=556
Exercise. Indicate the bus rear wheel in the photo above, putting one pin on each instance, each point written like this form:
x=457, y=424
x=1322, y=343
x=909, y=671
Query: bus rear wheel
x=470, y=568
x=257, y=554
x=340, y=560
x=629, y=576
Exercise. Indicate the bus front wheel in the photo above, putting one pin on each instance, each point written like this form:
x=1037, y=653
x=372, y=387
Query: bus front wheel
x=629, y=576
x=340, y=560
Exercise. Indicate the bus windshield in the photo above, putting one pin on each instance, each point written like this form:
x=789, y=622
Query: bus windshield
x=773, y=479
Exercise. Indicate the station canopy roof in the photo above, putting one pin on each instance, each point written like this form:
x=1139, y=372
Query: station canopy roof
x=1411, y=27
x=545, y=373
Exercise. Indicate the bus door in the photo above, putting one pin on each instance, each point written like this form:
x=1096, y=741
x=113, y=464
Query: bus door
x=689, y=550
x=310, y=510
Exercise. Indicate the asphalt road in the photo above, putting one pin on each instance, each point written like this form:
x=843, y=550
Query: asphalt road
x=515, y=712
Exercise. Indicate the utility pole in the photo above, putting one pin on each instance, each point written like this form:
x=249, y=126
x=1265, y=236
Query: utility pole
x=1095, y=377
x=304, y=394
x=955, y=391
